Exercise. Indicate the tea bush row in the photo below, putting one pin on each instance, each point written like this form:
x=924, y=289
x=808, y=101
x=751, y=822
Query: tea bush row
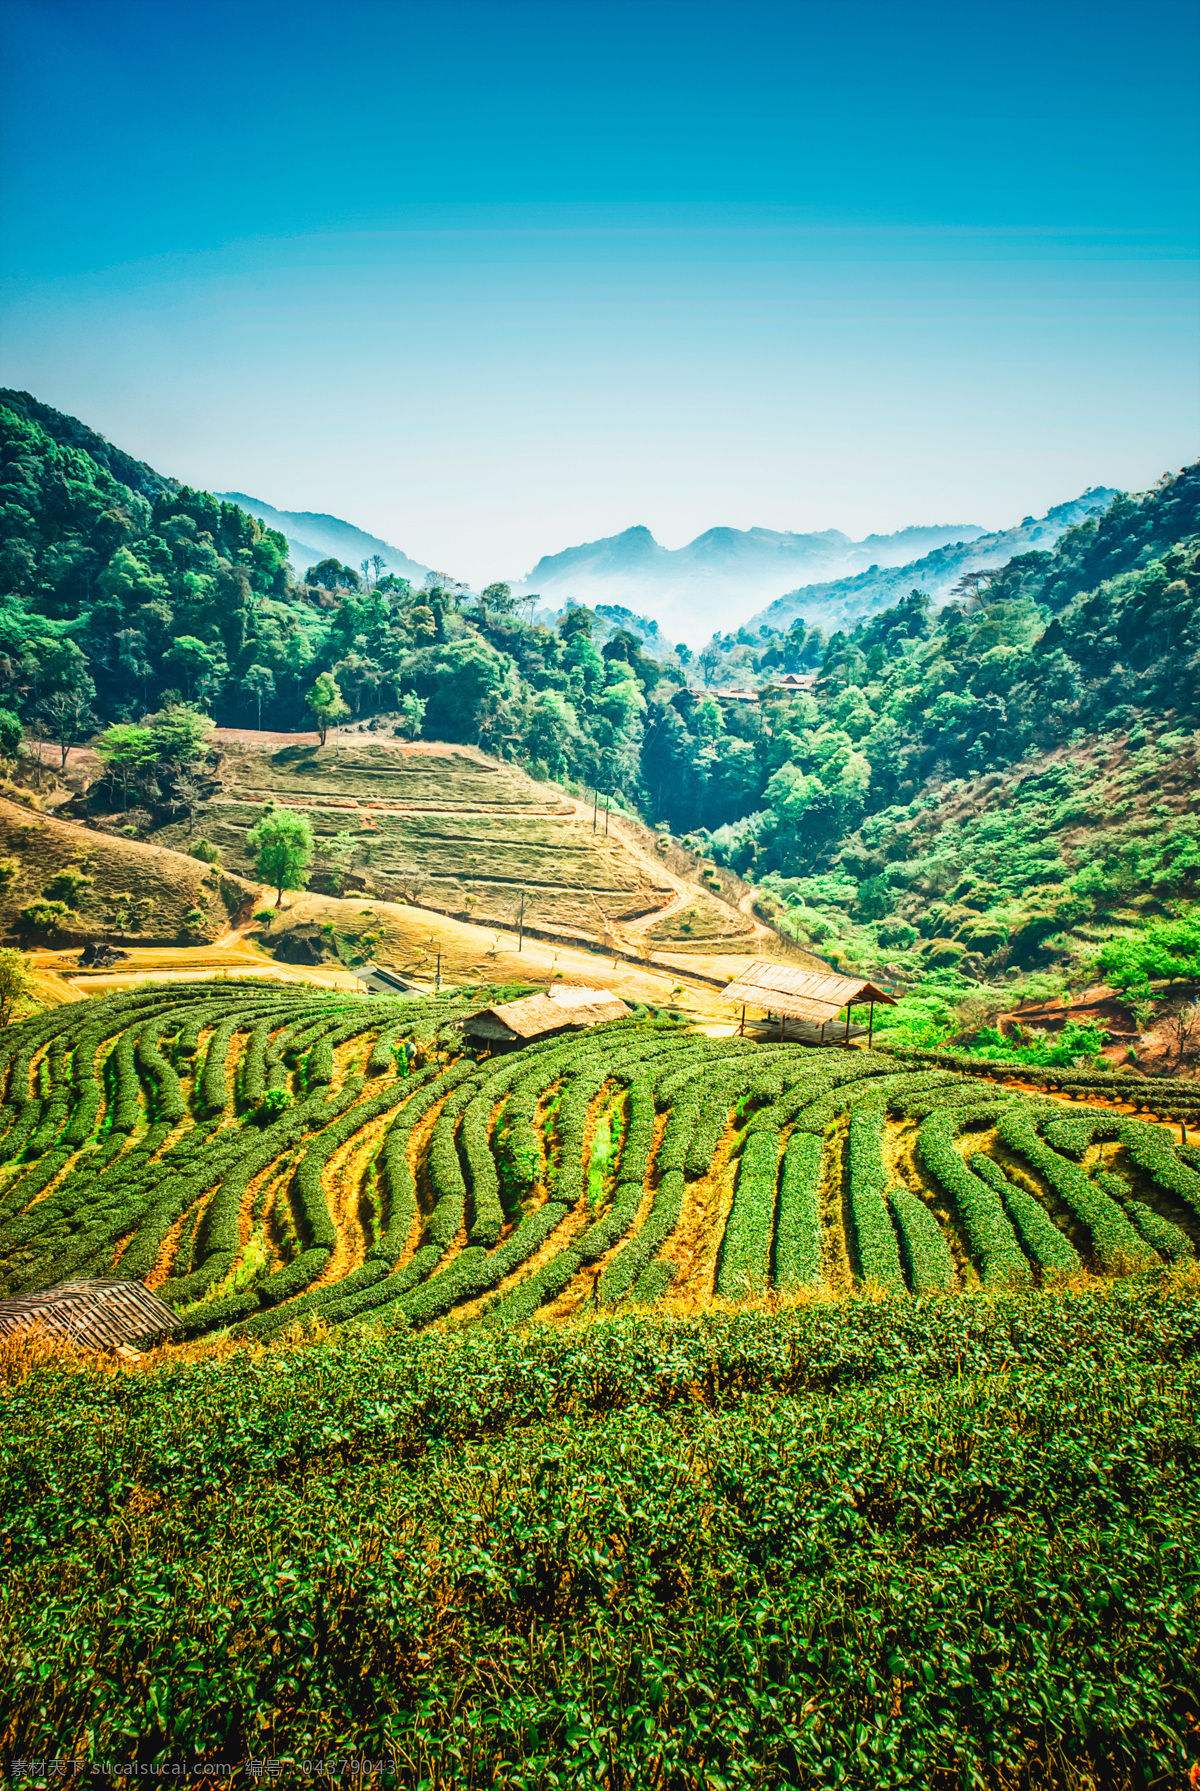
x=1113, y=1238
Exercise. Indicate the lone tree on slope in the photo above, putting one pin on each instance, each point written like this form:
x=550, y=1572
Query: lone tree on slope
x=325, y=701
x=258, y=683
x=282, y=844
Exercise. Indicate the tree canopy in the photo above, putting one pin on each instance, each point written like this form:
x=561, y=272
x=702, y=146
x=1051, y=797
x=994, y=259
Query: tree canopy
x=282, y=845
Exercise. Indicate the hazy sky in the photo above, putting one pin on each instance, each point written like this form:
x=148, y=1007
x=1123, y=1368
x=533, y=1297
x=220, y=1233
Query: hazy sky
x=492, y=277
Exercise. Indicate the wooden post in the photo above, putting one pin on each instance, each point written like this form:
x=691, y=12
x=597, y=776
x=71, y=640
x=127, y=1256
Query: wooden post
x=846, y=1040
x=438, y=979
x=595, y=805
x=742, y=1021
x=521, y=923
x=607, y=806
x=781, y=1024
x=870, y=1023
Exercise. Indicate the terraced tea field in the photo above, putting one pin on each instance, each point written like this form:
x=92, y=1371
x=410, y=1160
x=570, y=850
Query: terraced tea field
x=263, y=1152
x=441, y=826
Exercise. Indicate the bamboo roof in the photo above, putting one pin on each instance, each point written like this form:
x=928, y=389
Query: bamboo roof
x=534, y=1015
x=816, y=995
x=98, y=1314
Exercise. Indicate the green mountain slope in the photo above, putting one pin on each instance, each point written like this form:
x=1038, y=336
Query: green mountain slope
x=843, y=602
x=121, y=592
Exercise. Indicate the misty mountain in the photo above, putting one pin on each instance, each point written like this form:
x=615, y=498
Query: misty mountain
x=840, y=603
x=718, y=577
x=714, y=583
x=312, y=537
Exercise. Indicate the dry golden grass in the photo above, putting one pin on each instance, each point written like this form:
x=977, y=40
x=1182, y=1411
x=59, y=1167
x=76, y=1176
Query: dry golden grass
x=34, y=1347
x=155, y=888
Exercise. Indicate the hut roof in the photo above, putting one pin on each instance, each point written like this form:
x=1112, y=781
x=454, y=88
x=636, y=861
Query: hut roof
x=534, y=1015
x=99, y=1314
x=802, y=994
x=377, y=979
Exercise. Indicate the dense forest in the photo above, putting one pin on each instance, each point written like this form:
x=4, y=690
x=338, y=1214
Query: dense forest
x=124, y=595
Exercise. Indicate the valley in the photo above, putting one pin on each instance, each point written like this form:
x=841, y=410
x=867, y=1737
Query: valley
x=600, y=1001
x=477, y=1316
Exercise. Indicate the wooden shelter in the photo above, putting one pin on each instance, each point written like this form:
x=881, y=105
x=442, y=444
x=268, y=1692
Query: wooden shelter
x=103, y=1314
x=811, y=996
x=541, y=1016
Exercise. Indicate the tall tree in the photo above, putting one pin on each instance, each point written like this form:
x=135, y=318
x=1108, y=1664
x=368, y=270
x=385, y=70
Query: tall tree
x=123, y=748
x=67, y=715
x=325, y=701
x=259, y=683
x=498, y=598
x=179, y=734
x=282, y=844
x=331, y=575
x=10, y=734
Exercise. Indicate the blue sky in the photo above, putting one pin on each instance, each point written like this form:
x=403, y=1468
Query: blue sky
x=490, y=277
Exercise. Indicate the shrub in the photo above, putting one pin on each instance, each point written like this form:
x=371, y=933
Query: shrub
x=1156, y=1154
x=1034, y=1226
x=42, y=916
x=798, y=1232
x=271, y=1103
x=618, y=1278
x=1168, y=1239
x=875, y=1241
x=1113, y=1238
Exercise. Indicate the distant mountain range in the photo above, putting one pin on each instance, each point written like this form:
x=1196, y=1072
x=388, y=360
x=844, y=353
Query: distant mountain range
x=713, y=581
x=312, y=537
x=840, y=603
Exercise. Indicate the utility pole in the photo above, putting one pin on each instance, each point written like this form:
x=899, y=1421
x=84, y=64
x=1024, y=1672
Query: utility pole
x=595, y=805
x=521, y=923
x=437, y=983
x=607, y=805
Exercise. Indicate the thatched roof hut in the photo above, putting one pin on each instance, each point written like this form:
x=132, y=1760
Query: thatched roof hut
x=811, y=998
x=541, y=1016
x=97, y=1314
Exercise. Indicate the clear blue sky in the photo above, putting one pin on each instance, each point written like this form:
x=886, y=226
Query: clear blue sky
x=490, y=277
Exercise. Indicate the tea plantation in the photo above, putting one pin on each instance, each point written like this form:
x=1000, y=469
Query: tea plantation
x=262, y=1153
x=939, y=1530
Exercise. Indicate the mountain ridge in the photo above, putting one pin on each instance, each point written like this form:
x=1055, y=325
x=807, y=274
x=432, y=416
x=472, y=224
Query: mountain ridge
x=843, y=602
x=711, y=582
x=690, y=588
x=314, y=535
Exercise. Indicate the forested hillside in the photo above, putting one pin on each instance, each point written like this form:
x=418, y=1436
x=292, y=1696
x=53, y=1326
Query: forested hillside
x=122, y=593
x=843, y=602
